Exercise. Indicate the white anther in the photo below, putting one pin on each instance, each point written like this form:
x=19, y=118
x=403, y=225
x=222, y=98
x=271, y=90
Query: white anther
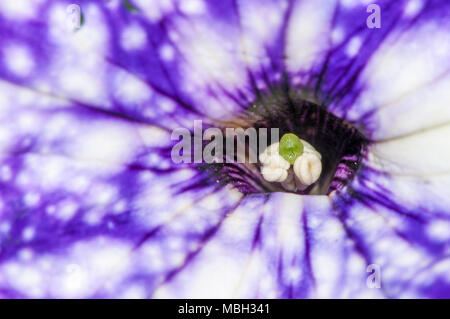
x=277, y=160
x=272, y=174
x=308, y=168
x=272, y=158
x=274, y=166
x=308, y=148
x=266, y=155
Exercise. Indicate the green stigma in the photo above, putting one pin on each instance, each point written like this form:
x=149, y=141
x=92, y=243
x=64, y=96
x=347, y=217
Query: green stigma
x=129, y=6
x=290, y=147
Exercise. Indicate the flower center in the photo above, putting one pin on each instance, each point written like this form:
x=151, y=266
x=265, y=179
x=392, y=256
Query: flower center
x=317, y=154
x=276, y=163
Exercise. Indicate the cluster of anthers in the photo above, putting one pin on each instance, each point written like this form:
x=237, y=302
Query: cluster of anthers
x=293, y=162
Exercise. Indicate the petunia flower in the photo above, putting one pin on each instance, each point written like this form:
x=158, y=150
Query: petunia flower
x=93, y=206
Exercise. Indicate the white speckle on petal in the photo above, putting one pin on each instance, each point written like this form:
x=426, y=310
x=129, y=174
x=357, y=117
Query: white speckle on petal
x=353, y=46
x=31, y=199
x=155, y=10
x=50, y=209
x=28, y=233
x=28, y=122
x=19, y=9
x=193, y=7
x=439, y=230
x=66, y=210
x=25, y=254
x=337, y=35
x=102, y=194
x=166, y=105
x=129, y=89
x=19, y=60
x=293, y=274
x=5, y=227
x=349, y=3
x=133, y=37
x=167, y=52
x=120, y=207
x=413, y=7
x=5, y=173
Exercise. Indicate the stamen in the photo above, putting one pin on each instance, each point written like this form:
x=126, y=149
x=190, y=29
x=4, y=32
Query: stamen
x=308, y=168
x=274, y=167
x=306, y=160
